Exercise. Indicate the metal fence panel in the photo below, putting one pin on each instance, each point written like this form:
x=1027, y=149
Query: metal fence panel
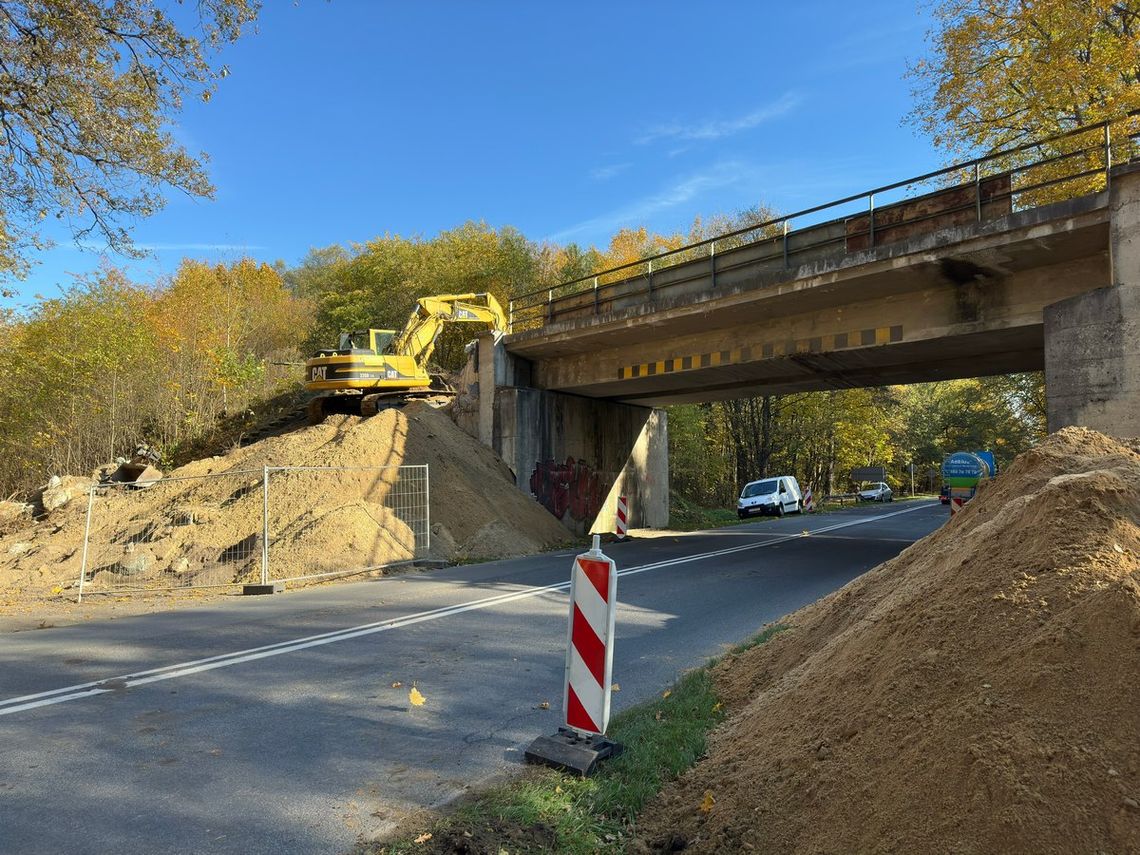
x=329, y=521
x=197, y=531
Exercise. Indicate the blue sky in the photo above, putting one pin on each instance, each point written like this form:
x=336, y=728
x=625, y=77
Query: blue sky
x=344, y=120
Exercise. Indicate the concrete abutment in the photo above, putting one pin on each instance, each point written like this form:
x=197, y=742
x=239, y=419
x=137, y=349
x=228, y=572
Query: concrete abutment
x=575, y=455
x=1092, y=340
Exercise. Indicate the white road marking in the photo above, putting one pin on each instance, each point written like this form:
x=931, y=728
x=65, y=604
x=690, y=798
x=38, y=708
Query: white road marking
x=225, y=660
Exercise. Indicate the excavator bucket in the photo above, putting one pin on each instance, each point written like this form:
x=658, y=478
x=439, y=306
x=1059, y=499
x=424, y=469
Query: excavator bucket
x=138, y=474
x=140, y=470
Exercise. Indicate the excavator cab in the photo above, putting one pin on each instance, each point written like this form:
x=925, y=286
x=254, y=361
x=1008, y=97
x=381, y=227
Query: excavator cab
x=360, y=342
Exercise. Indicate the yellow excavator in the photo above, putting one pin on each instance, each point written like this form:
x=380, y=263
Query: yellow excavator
x=371, y=370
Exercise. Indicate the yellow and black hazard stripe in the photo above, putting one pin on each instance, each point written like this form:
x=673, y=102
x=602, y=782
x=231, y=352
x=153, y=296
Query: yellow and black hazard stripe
x=768, y=350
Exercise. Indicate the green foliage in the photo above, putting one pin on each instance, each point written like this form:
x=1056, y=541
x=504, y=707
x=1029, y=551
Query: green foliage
x=821, y=436
x=376, y=284
x=89, y=86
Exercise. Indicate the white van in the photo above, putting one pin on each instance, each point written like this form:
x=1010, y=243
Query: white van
x=778, y=495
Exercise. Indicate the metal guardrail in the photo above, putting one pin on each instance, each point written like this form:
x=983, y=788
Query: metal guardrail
x=994, y=185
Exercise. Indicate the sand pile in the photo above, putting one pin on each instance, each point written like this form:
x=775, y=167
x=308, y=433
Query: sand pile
x=209, y=530
x=979, y=693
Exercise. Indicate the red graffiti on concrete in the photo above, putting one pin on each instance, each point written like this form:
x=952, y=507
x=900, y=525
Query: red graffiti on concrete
x=571, y=486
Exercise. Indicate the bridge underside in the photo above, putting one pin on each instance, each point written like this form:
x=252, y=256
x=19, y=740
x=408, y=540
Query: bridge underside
x=978, y=354
x=961, y=302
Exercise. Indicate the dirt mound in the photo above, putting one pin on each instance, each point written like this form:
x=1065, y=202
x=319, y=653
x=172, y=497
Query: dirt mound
x=976, y=694
x=209, y=531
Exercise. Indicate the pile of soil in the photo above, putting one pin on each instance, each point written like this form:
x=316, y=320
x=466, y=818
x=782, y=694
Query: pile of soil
x=979, y=693
x=208, y=531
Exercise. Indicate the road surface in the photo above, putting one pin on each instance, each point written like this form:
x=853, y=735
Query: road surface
x=269, y=725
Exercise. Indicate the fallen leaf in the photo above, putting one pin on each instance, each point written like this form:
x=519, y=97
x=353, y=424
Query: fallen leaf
x=423, y=838
x=396, y=684
x=657, y=715
x=57, y=590
x=707, y=802
x=545, y=705
x=1118, y=548
x=666, y=693
x=417, y=700
x=616, y=687
x=557, y=788
x=717, y=706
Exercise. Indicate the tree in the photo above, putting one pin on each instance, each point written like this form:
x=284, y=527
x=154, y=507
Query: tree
x=87, y=88
x=1005, y=72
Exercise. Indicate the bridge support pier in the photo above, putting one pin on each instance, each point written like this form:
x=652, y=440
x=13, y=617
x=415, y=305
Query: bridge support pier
x=575, y=455
x=1092, y=341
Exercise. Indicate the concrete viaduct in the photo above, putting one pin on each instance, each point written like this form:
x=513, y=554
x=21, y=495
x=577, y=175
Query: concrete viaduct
x=963, y=282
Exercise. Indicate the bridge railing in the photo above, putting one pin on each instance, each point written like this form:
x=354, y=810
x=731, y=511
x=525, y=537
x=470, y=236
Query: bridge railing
x=982, y=189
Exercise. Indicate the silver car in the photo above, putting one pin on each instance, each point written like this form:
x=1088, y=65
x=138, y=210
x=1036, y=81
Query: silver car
x=877, y=492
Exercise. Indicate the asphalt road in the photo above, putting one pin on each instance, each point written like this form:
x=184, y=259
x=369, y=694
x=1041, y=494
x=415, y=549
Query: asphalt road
x=270, y=725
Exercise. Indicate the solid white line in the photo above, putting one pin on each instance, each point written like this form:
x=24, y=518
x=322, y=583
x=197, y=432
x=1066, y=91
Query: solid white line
x=197, y=666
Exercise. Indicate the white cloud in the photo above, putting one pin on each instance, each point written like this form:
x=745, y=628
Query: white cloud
x=716, y=129
x=197, y=247
x=90, y=246
x=682, y=190
x=605, y=173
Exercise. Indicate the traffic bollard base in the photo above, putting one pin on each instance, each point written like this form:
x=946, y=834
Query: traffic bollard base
x=572, y=752
x=258, y=589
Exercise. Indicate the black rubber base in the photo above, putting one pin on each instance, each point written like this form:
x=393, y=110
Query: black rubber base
x=571, y=752
x=255, y=590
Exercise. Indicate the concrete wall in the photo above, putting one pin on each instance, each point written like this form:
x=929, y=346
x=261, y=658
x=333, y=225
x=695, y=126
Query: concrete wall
x=1092, y=341
x=575, y=455
x=1092, y=361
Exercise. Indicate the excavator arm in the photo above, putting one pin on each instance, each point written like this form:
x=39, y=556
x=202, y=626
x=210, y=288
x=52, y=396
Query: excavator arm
x=432, y=314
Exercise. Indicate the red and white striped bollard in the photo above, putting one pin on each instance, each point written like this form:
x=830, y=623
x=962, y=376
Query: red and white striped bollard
x=622, y=517
x=581, y=744
x=589, y=648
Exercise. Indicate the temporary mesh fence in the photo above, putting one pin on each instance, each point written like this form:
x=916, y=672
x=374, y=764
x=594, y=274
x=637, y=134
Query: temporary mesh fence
x=253, y=526
x=328, y=521
x=201, y=531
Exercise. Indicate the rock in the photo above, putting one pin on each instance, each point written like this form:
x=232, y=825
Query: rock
x=1131, y=803
x=134, y=563
x=60, y=491
x=19, y=548
x=14, y=510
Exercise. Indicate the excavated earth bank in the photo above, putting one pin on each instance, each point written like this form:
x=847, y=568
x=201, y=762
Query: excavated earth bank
x=979, y=693
x=208, y=530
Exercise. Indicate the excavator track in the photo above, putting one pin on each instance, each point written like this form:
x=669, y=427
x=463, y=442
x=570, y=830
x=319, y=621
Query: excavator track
x=371, y=404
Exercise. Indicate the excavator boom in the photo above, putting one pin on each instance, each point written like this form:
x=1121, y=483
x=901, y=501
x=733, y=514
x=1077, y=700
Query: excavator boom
x=431, y=314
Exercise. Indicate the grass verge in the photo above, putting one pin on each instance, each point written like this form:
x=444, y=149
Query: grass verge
x=685, y=515
x=549, y=811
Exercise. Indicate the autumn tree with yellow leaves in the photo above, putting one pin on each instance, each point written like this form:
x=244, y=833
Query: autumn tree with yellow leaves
x=1007, y=72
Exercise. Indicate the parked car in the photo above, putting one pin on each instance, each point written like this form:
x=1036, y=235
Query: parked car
x=877, y=492
x=778, y=495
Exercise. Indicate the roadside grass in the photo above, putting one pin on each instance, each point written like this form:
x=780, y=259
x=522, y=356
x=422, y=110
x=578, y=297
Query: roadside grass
x=549, y=811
